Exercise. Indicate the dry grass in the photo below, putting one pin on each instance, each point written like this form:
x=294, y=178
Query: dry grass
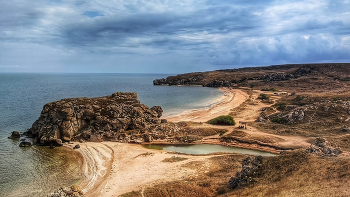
x=174, y=159
x=316, y=123
x=300, y=174
x=132, y=194
x=200, y=131
x=296, y=173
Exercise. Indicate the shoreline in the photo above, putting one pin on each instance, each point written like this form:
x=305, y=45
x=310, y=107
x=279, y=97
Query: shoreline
x=112, y=168
x=207, y=103
x=232, y=98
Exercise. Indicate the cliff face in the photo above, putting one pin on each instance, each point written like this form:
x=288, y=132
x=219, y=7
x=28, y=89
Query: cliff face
x=119, y=117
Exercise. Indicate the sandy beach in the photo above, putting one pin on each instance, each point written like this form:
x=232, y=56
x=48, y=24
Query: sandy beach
x=112, y=168
x=231, y=99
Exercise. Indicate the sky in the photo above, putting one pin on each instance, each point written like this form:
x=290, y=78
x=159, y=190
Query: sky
x=168, y=36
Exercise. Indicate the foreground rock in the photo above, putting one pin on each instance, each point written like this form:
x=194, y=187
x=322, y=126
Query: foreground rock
x=119, y=117
x=73, y=191
x=321, y=147
x=14, y=134
x=25, y=144
x=250, y=166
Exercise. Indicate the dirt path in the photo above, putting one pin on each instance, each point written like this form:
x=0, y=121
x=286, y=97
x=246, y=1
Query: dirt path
x=235, y=98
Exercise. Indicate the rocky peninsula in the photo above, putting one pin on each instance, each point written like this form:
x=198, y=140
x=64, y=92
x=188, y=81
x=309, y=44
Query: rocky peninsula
x=118, y=117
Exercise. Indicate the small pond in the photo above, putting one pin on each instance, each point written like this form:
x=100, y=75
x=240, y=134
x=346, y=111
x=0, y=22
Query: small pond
x=206, y=149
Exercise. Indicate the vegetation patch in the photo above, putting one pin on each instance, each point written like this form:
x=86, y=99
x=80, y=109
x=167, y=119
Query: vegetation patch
x=222, y=120
x=174, y=159
x=280, y=120
x=132, y=194
x=269, y=89
x=144, y=155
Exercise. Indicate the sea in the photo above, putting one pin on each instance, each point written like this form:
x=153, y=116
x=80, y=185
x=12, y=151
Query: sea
x=37, y=171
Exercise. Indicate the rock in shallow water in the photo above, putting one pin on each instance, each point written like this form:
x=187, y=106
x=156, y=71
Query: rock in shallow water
x=25, y=144
x=14, y=134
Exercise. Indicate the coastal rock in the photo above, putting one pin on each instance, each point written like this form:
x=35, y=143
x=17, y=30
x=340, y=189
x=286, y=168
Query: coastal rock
x=14, y=134
x=76, y=146
x=217, y=83
x=250, y=166
x=118, y=117
x=73, y=191
x=345, y=129
x=321, y=147
x=25, y=144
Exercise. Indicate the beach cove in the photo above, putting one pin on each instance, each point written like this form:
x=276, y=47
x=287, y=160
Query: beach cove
x=113, y=168
x=23, y=96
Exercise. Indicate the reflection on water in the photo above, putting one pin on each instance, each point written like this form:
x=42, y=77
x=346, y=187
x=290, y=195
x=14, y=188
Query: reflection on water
x=206, y=149
x=36, y=171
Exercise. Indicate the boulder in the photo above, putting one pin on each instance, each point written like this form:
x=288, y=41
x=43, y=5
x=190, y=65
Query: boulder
x=25, y=144
x=345, y=129
x=321, y=147
x=250, y=166
x=14, y=134
x=76, y=146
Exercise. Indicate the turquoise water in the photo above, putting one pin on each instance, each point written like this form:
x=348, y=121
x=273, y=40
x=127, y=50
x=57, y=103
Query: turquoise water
x=37, y=171
x=207, y=149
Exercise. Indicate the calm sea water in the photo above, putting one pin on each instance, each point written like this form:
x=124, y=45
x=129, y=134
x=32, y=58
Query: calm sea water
x=37, y=171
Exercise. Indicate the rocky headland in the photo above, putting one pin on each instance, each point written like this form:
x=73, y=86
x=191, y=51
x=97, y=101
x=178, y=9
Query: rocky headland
x=118, y=117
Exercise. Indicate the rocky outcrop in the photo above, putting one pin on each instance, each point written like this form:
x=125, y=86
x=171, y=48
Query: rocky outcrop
x=25, y=144
x=302, y=71
x=193, y=79
x=119, y=117
x=321, y=147
x=250, y=166
x=345, y=129
x=14, y=134
x=217, y=83
x=73, y=191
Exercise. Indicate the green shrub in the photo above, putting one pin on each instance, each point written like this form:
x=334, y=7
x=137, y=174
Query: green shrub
x=270, y=89
x=281, y=106
x=222, y=120
x=280, y=120
x=264, y=97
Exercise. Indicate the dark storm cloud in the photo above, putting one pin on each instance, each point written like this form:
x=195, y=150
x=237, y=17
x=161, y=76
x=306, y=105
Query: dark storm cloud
x=215, y=34
x=219, y=20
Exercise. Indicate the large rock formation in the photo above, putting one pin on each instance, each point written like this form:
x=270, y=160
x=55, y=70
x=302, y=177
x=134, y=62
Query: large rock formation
x=119, y=117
